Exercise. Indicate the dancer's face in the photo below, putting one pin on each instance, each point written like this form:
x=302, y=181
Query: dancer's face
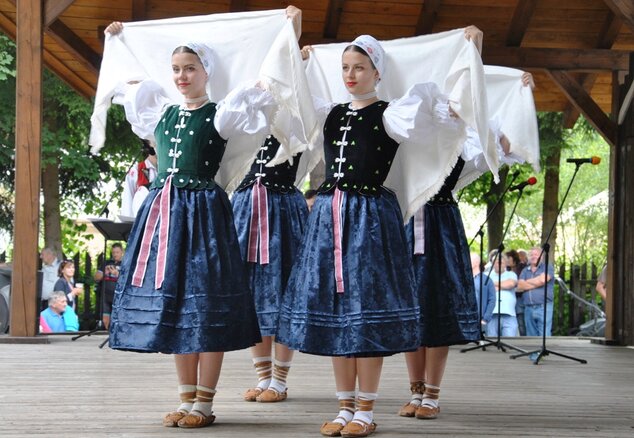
x=359, y=76
x=189, y=75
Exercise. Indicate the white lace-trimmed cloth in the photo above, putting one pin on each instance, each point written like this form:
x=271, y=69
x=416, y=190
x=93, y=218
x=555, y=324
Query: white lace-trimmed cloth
x=247, y=46
x=512, y=112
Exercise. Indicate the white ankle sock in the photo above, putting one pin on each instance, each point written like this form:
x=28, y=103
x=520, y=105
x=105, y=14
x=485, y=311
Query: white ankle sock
x=345, y=412
x=263, y=368
x=365, y=400
x=280, y=372
x=417, y=388
x=188, y=396
x=204, y=401
x=430, y=397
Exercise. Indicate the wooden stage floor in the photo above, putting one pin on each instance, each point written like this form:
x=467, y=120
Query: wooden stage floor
x=75, y=389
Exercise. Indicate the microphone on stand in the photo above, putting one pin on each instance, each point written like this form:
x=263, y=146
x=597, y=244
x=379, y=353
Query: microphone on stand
x=529, y=182
x=579, y=161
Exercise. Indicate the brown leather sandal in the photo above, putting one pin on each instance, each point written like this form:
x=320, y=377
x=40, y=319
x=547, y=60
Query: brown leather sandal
x=332, y=428
x=171, y=419
x=425, y=412
x=271, y=396
x=358, y=428
x=191, y=420
x=407, y=410
x=252, y=393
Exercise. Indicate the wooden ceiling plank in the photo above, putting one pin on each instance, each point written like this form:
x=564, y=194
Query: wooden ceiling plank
x=587, y=60
x=237, y=5
x=607, y=36
x=7, y=25
x=53, y=9
x=67, y=75
x=584, y=103
x=624, y=9
x=427, y=17
x=333, y=18
x=71, y=42
x=139, y=10
x=520, y=21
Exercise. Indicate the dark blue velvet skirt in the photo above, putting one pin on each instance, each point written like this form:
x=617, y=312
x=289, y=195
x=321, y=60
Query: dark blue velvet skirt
x=205, y=303
x=287, y=218
x=378, y=313
x=444, y=279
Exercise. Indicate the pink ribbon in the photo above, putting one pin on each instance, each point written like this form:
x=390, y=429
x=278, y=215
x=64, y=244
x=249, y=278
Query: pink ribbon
x=159, y=215
x=259, y=225
x=337, y=202
x=419, y=231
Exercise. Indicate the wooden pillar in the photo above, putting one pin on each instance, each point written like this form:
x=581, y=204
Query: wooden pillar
x=28, y=134
x=625, y=257
x=620, y=276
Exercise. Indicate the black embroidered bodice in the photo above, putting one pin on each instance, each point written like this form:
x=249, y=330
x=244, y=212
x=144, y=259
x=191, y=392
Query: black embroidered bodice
x=444, y=195
x=188, y=147
x=280, y=178
x=357, y=150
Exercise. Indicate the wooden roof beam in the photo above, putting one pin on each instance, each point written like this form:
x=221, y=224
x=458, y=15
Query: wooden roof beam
x=607, y=36
x=139, y=10
x=624, y=9
x=586, y=60
x=53, y=9
x=74, y=44
x=237, y=5
x=334, y=11
x=427, y=17
x=69, y=40
x=519, y=23
x=584, y=103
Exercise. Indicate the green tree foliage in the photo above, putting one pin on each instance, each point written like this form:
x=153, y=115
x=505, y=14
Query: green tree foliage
x=582, y=226
x=65, y=131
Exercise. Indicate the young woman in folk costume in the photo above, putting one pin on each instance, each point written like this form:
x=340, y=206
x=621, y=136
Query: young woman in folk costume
x=444, y=279
x=351, y=291
x=270, y=214
x=183, y=287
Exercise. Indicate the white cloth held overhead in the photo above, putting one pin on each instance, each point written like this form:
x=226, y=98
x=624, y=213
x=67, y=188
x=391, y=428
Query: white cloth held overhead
x=512, y=112
x=244, y=44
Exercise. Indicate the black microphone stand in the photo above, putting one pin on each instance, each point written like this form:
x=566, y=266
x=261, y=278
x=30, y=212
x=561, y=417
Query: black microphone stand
x=543, y=351
x=484, y=342
x=99, y=305
x=498, y=342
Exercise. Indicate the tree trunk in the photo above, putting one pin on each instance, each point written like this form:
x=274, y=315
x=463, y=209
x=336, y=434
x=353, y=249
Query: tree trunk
x=551, y=199
x=52, y=216
x=495, y=225
x=318, y=175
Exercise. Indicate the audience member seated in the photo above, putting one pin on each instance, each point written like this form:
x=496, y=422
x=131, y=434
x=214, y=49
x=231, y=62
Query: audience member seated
x=59, y=317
